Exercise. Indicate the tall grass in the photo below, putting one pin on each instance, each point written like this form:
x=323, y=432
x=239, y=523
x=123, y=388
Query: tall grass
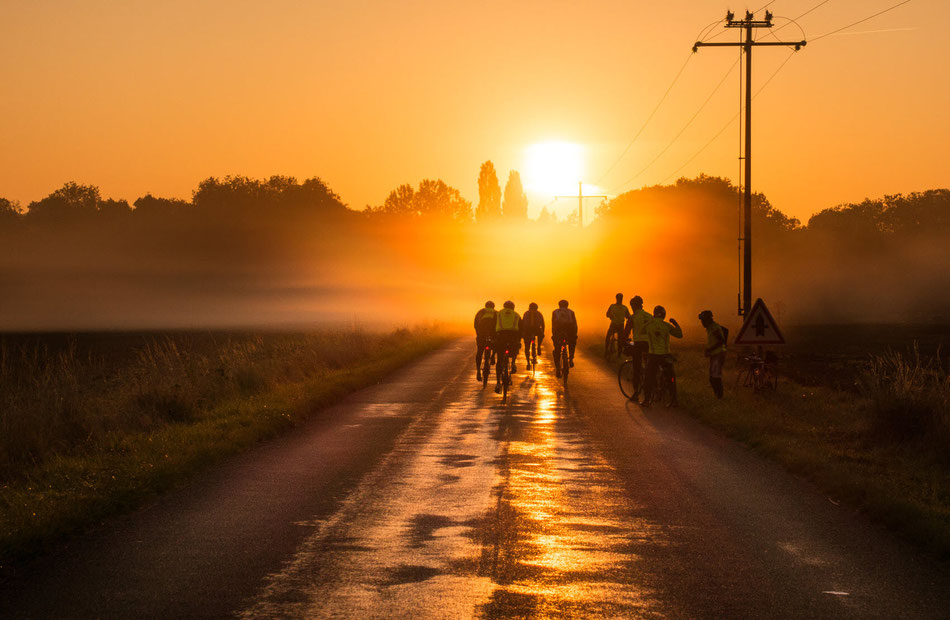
x=909, y=397
x=58, y=398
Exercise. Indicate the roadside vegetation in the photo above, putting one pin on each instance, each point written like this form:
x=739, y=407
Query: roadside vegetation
x=93, y=424
x=880, y=445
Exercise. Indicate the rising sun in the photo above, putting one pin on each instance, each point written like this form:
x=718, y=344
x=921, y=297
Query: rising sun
x=553, y=167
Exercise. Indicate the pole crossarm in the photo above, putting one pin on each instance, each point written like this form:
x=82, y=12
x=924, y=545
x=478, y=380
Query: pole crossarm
x=796, y=44
x=580, y=201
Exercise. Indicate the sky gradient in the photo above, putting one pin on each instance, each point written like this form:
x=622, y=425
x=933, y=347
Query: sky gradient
x=139, y=96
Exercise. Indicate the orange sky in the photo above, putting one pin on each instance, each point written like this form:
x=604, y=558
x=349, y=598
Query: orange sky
x=143, y=96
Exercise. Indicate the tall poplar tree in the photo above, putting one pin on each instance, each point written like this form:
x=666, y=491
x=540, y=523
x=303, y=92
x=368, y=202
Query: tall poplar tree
x=489, y=193
x=515, y=204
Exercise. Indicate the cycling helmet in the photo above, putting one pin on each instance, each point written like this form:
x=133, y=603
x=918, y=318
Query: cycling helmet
x=562, y=303
x=705, y=315
x=489, y=304
x=532, y=306
x=636, y=300
x=619, y=297
x=510, y=304
x=659, y=312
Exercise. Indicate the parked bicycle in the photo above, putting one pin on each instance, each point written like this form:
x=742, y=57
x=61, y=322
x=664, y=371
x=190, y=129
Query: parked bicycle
x=758, y=371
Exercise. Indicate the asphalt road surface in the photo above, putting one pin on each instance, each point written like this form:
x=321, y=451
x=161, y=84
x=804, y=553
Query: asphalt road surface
x=425, y=497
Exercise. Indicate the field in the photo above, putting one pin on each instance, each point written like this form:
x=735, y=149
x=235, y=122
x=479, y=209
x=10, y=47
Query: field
x=861, y=411
x=92, y=424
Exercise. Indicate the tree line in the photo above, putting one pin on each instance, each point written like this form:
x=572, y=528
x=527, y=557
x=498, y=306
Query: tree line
x=261, y=246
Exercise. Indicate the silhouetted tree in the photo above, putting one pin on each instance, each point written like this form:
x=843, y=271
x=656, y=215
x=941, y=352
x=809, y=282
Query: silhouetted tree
x=515, y=205
x=9, y=212
x=433, y=199
x=546, y=216
x=489, y=193
x=114, y=209
x=69, y=203
x=150, y=206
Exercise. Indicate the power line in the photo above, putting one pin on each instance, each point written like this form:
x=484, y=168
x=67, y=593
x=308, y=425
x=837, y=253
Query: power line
x=685, y=127
x=860, y=21
x=646, y=122
x=730, y=122
x=702, y=33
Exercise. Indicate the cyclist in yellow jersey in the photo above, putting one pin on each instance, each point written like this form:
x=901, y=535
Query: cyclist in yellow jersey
x=484, y=332
x=636, y=328
x=507, y=338
x=618, y=314
x=715, y=350
x=658, y=337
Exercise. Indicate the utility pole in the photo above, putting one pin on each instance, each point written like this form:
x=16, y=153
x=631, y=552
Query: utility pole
x=748, y=24
x=580, y=202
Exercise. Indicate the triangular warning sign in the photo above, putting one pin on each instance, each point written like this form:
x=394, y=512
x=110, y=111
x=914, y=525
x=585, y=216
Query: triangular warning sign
x=759, y=327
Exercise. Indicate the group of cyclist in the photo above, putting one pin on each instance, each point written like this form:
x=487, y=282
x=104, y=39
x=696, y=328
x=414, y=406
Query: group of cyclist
x=643, y=336
x=650, y=346
x=497, y=331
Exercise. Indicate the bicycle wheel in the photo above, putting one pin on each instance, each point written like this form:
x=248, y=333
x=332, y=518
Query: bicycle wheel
x=669, y=389
x=486, y=368
x=742, y=378
x=565, y=365
x=625, y=379
x=505, y=377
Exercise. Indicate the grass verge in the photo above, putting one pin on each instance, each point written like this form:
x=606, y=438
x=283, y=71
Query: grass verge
x=832, y=438
x=72, y=489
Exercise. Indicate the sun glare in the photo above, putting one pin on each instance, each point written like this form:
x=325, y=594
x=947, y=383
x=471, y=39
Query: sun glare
x=553, y=167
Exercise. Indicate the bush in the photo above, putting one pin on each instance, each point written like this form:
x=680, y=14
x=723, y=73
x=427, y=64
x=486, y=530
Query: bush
x=909, y=397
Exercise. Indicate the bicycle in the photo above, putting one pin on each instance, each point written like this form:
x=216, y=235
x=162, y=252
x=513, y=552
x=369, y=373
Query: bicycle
x=565, y=361
x=626, y=373
x=532, y=348
x=505, y=370
x=612, y=344
x=758, y=372
x=664, y=391
x=488, y=359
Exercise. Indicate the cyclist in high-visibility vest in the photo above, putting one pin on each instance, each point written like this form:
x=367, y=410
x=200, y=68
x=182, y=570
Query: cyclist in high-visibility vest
x=636, y=328
x=484, y=332
x=507, y=338
x=618, y=314
x=658, y=336
x=715, y=350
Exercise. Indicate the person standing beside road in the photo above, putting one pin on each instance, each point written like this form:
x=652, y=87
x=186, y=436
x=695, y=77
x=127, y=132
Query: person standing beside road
x=563, y=329
x=618, y=314
x=532, y=331
x=715, y=350
x=484, y=331
x=659, y=358
x=636, y=328
x=507, y=338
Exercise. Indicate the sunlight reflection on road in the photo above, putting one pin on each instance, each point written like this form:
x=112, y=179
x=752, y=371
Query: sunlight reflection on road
x=487, y=510
x=572, y=556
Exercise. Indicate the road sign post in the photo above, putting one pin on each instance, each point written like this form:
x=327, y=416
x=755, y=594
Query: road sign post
x=759, y=328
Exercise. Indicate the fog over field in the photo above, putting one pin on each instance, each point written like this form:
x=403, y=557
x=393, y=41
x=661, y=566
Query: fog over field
x=279, y=252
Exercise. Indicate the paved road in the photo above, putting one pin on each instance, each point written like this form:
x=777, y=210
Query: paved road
x=424, y=497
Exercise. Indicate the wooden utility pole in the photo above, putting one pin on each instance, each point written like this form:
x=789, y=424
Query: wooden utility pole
x=748, y=24
x=580, y=202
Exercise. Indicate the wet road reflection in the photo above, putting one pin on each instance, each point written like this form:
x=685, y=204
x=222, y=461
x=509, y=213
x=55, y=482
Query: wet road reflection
x=487, y=510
